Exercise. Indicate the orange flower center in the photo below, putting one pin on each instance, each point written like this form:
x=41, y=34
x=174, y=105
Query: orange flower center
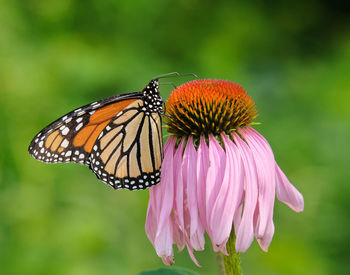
x=208, y=106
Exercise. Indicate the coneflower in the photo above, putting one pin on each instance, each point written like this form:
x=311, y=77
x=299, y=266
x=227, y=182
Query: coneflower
x=219, y=175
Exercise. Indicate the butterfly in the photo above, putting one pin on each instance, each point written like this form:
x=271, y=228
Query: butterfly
x=119, y=138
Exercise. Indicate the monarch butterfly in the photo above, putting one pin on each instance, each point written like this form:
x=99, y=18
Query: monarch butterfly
x=119, y=138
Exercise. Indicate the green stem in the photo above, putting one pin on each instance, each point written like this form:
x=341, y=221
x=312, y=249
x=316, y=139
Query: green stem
x=232, y=262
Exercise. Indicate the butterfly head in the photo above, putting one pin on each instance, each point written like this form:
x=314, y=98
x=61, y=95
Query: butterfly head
x=152, y=98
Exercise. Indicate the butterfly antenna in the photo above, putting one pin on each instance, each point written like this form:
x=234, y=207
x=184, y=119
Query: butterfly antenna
x=168, y=83
x=174, y=74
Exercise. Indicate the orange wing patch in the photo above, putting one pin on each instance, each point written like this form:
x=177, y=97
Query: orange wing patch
x=97, y=122
x=109, y=111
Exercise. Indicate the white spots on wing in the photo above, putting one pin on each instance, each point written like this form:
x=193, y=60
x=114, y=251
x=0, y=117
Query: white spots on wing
x=41, y=143
x=68, y=120
x=79, y=126
x=79, y=119
x=65, y=131
x=62, y=127
x=69, y=153
x=81, y=113
x=64, y=118
x=42, y=150
x=92, y=112
x=81, y=156
x=77, y=110
x=36, y=140
x=108, y=128
x=96, y=105
x=76, y=152
x=65, y=143
x=95, y=147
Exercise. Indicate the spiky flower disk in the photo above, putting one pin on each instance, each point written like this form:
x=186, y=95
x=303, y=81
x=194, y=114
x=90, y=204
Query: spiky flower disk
x=208, y=106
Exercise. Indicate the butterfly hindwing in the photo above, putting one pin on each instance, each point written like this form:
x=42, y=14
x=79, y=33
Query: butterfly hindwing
x=128, y=153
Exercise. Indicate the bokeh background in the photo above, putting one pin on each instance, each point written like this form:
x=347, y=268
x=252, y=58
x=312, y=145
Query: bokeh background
x=292, y=57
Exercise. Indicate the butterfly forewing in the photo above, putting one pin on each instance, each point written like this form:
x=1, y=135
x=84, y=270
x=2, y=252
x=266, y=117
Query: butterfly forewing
x=71, y=137
x=119, y=137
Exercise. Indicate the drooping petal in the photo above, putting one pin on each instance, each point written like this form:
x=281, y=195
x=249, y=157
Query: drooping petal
x=264, y=162
x=202, y=170
x=168, y=260
x=245, y=232
x=237, y=218
x=189, y=167
x=229, y=197
x=214, y=177
x=160, y=207
x=151, y=222
x=265, y=240
x=179, y=190
x=178, y=234
x=287, y=193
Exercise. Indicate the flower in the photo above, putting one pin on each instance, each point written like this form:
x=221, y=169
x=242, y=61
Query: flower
x=218, y=174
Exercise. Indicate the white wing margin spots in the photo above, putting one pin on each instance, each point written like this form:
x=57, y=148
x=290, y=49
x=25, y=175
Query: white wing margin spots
x=54, y=143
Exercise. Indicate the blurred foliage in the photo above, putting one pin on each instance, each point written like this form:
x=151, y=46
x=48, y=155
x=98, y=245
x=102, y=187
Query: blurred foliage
x=292, y=57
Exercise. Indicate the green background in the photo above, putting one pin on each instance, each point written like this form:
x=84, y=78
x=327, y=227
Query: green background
x=292, y=57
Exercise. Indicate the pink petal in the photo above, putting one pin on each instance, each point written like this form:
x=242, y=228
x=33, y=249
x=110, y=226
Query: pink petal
x=237, y=218
x=179, y=190
x=287, y=193
x=168, y=260
x=193, y=258
x=264, y=162
x=245, y=232
x=178, y=235
x=214, y=176
x=164, y=239
x=151, y=223
x=160, y=206
x=189, y=166
x=166, y=189
x=228, y=199
x=202, y=170
x=265, y=241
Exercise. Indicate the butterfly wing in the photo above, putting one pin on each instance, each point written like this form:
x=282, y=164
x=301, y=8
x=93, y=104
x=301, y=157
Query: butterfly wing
x=128, y=152
x=71, y=137
x=120, y=138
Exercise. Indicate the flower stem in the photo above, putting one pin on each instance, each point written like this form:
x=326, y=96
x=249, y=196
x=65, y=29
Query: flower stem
x=232, y=262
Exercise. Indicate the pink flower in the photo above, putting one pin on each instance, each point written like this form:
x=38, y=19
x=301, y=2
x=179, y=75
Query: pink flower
x=218, y=174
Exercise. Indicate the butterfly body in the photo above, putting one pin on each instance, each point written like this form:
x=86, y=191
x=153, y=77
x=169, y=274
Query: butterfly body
x=119, y=138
